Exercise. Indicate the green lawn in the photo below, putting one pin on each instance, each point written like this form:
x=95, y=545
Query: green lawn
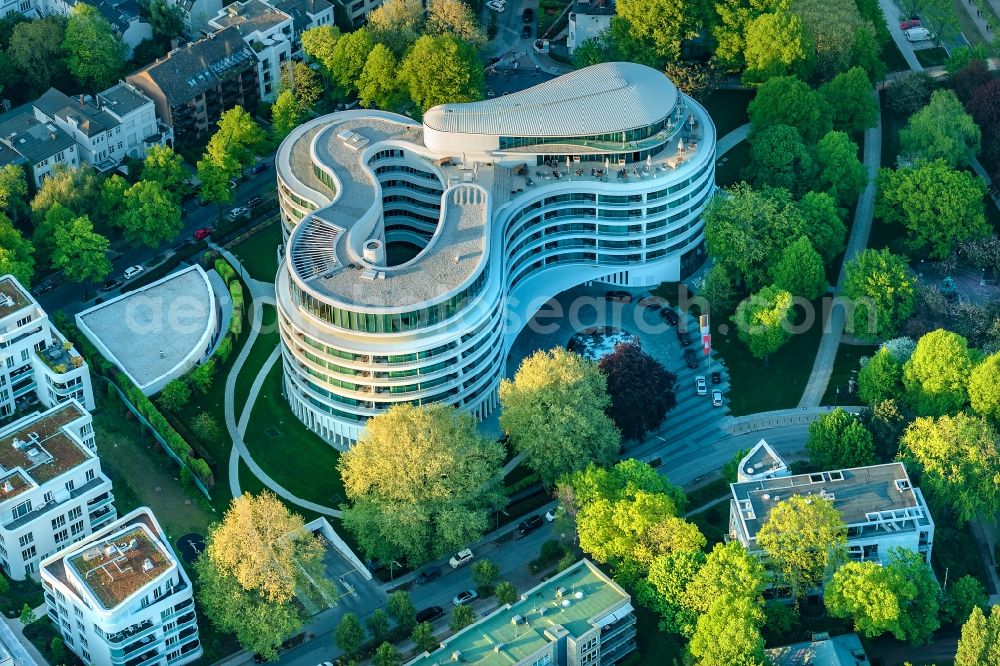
x=966, y=24
x=846, y=361
x=258, y=253
x=730, y=170
x=21, y=592
x=728, y=109
x=654, y=647
x=263, y=346
x=931, y=57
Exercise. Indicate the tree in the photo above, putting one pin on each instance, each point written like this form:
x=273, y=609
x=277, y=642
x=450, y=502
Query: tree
x=942, y=130
x=763, y=321
x=175, y=395
x=506, y=593
x=112, y=202
x=786, y=100
x=167, y=20
x=666, y=23
x=965, y=594
x=803, y=537
x=485, y=573
x=15, y=253
x=4, y=584
x=318, y=43
x=886, y=421
x=422, y=482
x=554, y=414
x=881, y=378
x=800, y=270
x=303, y=82
x=838, y=440
x=693, y=77
x=286, y=114
x=729, y=633
x=939, y=206
x=821, y=224
x=13, y=190
x=386, y=655
x=640, y=388
x=775, y=46
x=852, y=101
x=423, y=636
x=461, y=617
x=378, y=85
x=348, y=58
x=378, y=625
x=234, y=143
x=57, y=650
x=206, y=428
x=729, y=571
x=718, y=289
x=899, y=597
x=984, y=387
x=397, y=24
x=152, y=214
x=349, y=634
x=960, y=460
x=36, y=51
x=442, y=69
x=618, y=42
x=984, y=106
x=729, y=31
x=883, y=291
x=77, y=189
x=909, y=93
x=832, y=33
x=202, y=376
x=980, y=641
x=215, y=180
x=840, y=172
x=455, y=18
x=778, y=158
x=402, y=610
x=94, y=54
x=936, y=377
x=162, y=165
x=27, y=615
x=664, y=590
x=80, y=252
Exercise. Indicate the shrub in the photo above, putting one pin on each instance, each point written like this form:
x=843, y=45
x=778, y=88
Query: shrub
x=224, y=270
x=236, y=293
x=236, y=323
x=224, y=350
x=175, y=395
x=206, y=428
x=202, y=376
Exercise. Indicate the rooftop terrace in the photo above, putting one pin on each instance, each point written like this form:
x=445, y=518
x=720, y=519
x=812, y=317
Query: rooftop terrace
x=12, y=297
x=41, y=447
x=115, y=567
x=587, y=595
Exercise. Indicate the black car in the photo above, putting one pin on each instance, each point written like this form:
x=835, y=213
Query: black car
x=528, y=15
x=111, y=284
x=716, y=377
x=43, y=288
x=259, y=168
x=529, y=525
x=684, y=337
x=429, y=614
x=427, y=576
x=670, y=316
x=255, y=201
x=691, y=358
x=526, y=31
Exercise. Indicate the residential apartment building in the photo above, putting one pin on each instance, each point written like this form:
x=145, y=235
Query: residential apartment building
x=192, y=85
x=587, y=20
x=37, y=364
x=120, y=598
x=306, y=14
x=268, y=31
x=821, y=650
x=358, y=10
x=52, y=490
x=196, y=14
x=36, y=145
x=880, y=506
x=579, y=617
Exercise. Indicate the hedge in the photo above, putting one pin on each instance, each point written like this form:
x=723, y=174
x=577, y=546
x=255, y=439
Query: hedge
x=236, y=293
x=224, y=270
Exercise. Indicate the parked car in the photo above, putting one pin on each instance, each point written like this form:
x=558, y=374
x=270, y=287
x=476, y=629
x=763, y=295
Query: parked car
x=670, y=316
x=427, y=576
x=203, y=233
x=111, y=284
x=238, y=212
x=429, y=614
x=461, y=558
x=526, y=32
x=716, y=377
x=691, y=358
x=912, y=22
x=654, y=303
x=717, y=398
x=529, y=525
x=43, y=288
x=552, y=514
x=683, y=337
x=497, y=6
x=255, y=201
x=465, y=597
x=181, y=244
x=528, y=15
x=701, y=386
x=132, y=271
x=618, y=296
x=259, y=168
x=918, y=34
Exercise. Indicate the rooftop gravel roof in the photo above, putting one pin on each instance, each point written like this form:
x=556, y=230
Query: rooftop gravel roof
x=10, y=289
x=115, y=567
x=43, y=449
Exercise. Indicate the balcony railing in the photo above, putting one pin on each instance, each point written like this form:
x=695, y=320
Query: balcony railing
x=133, y=632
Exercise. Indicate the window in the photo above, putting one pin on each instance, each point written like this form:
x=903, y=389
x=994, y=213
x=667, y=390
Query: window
x=28, y=553
x=90, y=475
x=79, y=625
x=79, y=613
x=23, y=321
x=75, y=513
x=25, y=539
x=58, y=522
x=25, y=354
x=70, y=485
x=76, y=528
x=47, y=497
x=61, y=536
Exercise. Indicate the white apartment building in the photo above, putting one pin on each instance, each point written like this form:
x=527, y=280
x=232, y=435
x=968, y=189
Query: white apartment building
x=416, y=252
x=37, y=364
x=52, y=490
x=34, y=144
x=306, y=14
x=879, y=505
x=268, y=31
x=120, y=598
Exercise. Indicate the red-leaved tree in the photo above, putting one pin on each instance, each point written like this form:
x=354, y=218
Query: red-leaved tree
x=641, y=390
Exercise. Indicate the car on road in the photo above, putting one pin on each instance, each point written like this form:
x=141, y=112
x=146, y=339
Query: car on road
x=255, y=201
x=528, y=15
x=203, y=233
x=132, y=271
x=683, y=337
x=259, y=168
x=465, y=597
x=552, y=514
x=670, y=316
x=918, y=34
x=618, y=296
x=526, y=32
x=238, y=212
x=912, y=22
x=701, y=386
x=430, y=614
x=425, y=577
x=111, y=284
x=529, y=525
x=653, y=303
x=716, y=377
x=497, y=6
x=43, y=288
x=691, y=358
x=717, y=398
x=461, y=558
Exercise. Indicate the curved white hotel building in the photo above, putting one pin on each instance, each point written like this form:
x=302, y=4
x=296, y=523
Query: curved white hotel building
x=415, y=252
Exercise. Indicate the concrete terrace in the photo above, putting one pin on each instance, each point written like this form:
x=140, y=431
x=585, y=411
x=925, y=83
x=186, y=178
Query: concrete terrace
x=12, y=298
x=41, y=448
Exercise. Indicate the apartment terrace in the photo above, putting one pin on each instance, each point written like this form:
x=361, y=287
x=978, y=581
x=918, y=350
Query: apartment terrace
x=12, y=298
x=12, y=485
x=116, y=567
x=41, y=447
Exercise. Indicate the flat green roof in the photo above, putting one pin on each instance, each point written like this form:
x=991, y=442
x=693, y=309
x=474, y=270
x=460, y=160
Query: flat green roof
x=540, y=610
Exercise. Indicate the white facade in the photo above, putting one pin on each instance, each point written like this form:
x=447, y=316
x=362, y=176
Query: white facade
x=583, y=25
x=52, y=490
x=37, y=364
x=136, y=114
x=268, y=31
x=120, y=597
x=879, y=505
x=476, y=189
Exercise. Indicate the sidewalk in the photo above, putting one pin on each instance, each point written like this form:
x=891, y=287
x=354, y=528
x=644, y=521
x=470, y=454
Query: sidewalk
x=738, y=425
x=11, y=636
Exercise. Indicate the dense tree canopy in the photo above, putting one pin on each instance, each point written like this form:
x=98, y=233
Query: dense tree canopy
x=964, y=595
x=941, y=130
x=37, y=53
x=640, y=388
x=733, y=18
x=666, y=23
x=80, y=252
x=880, y=378
x=984, y=387
x=729, y=633
x=936, y=376
x=839, y=440
x=554, y=413
x=787, y=100
x=15, y=253
x=800, y=271
x=164, y=166
x=152, y=214
x=286, y=114
x=852, y=101
x=94, y=53
x=422, y=482
x=980, y=641
x=840, y=172
x=779, y=158
x=776, y=45
x=440, y=69
x=397, y=24
x=763, y=321
x=909, y=93
x=456, y=18
x=821, y=224
x=377, y=85
x=883, y=293
x=13, y=190
x=960, y=460
x=832, y=30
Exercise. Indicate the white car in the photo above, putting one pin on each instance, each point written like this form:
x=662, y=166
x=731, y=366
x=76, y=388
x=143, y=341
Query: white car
x=239, y=211
x=552, y=514
x=918, y=34
x=717, y=398
x=498, y=7
x=465, y=597
x=461, y=558
x=701, y=385
x=132, y=271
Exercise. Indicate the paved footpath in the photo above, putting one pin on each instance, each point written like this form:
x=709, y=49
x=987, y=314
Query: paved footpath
x=726, y=143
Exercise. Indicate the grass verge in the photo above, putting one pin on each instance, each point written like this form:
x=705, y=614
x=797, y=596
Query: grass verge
x=931, y=57
x=728, y=109
x=846, y=361
x=258, y=253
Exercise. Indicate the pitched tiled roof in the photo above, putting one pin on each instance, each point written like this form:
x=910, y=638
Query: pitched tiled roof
x=90, y=119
